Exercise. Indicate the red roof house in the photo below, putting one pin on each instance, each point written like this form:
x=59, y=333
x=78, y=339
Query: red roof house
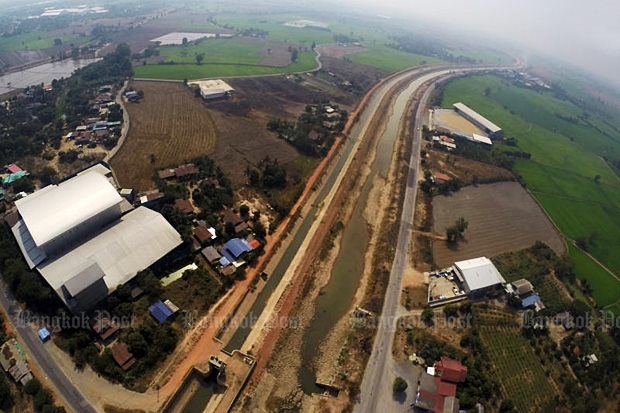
x=440, y=178
x=13, y=169
x=184, y=206
x=184, y=171
x=451, y=370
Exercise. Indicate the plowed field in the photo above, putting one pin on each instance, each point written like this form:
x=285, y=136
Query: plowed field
x=502, y=217
x=171, y=124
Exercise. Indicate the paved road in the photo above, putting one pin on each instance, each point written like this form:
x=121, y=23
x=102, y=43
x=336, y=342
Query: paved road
x=36, y=350
x=376, y=391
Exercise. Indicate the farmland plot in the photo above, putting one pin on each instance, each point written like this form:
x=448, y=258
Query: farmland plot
x=502, y=217
x=527, y=376
x=168, y=127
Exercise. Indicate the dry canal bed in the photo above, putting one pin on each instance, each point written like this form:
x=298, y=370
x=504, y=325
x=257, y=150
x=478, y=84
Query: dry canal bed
x=502, y=217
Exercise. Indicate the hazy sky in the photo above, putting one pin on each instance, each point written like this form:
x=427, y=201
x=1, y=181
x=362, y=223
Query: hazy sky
x=586, y=33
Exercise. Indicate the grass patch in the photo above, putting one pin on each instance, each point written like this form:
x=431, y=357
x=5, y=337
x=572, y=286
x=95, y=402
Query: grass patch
x=392, y=60
x=305, y=62
x=605, y=288
x=36, y=40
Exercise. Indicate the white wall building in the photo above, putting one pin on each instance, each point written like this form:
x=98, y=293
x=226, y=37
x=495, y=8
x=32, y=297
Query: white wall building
x=478, y=274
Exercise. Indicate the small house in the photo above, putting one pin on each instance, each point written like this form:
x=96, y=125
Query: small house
x=123, y=357
x=184, y=206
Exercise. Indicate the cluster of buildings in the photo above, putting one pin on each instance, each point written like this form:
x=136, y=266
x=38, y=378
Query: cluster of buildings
x=180, y=173
x=12, y=173
x=524, y=290
x=469, y=278
x=436, y=391
x=85, y=239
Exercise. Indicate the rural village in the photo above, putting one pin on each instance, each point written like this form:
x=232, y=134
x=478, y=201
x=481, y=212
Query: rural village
x=233, y=243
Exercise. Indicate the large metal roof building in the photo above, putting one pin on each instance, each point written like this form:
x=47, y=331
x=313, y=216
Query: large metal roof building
x=478, y=274
x=57, y=209
x=76, y=236
x=489, y=127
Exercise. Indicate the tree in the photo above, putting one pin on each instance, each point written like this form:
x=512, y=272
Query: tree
x=57, y=41
x=507, y=406
x=244, y=211
x=259, y=230
x=294, y=54
x=400, y=385
x=199, y=58
x=487, y=91
x=184, y=41
x=455, y=232
x=597, y=179
x=427, y=314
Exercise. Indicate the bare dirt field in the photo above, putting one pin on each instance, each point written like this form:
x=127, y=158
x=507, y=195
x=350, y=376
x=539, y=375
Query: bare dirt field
x=364, y=77
x=242, y=120
x=338, y=50
x=447, y=118
x=171, y=124
x=466, y=170
x=502, y=217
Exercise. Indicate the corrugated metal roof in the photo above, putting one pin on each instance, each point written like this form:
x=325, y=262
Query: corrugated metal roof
x=479, y=273
x=160, y=311
x=33, y=254
x=131, y=244
x=84, y=279
x=477, y=117
x=56, y=209
x=531, y=300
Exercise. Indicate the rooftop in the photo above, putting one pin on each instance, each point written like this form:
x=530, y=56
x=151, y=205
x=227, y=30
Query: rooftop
x=477, y=117
x=479, y=273
x=132, y=243
x=57, y=209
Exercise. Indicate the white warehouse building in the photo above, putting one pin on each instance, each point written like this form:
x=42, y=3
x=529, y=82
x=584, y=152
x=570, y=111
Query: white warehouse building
x=478, y=275
x=76, y=236
x=480, y=121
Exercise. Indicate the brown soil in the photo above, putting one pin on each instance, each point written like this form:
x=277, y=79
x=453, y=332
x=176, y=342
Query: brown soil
x=502, y=217
x=364, y=77
x=243, y=138
x=171, y=124
x=462, y=168
x=339, y=50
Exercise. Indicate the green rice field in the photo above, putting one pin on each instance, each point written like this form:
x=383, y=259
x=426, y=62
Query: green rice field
x=35, y=41
x=305, y=62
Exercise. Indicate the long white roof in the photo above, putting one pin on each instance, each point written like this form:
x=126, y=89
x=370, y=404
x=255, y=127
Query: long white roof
x=477, y=117
x=56, y=209
x=479, y=273
x=131, y=244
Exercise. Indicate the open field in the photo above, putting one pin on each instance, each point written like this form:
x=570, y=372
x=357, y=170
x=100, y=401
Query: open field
x=169, y=123
x=501, y=216
x=306, y=61
x=523, y=378
x=566, y=172
x=242, y=122
x=388, y=59
x=605, y=288
x=36, y=41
